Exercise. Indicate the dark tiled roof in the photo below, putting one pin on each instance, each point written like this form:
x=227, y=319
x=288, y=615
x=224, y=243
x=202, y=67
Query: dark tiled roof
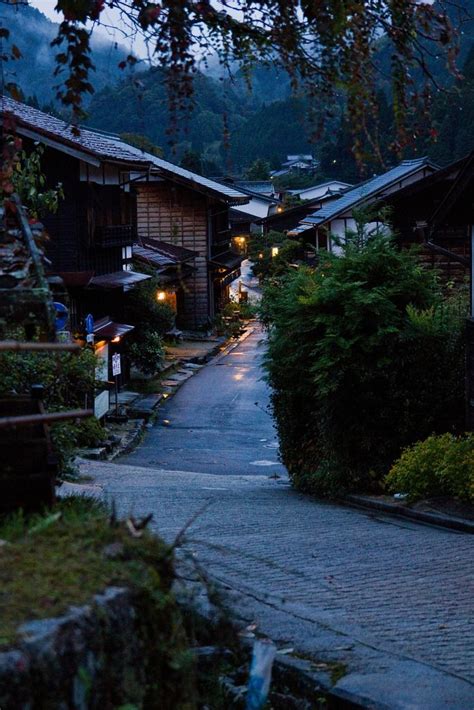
x=111, y=148
x=318, y=186
x=173, y=252
x=118, y=279
x=260, y=187
x=152, y=257
x=227, y=260
x=107, y=329
x=91, y=142
x=75, y=279
x=366, y=190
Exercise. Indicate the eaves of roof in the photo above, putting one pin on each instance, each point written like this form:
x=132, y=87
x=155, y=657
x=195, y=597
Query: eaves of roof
x=109, y=148
x=451, y=170
x=367, y=190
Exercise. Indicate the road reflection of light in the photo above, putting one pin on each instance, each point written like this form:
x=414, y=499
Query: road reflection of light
x=240, y=374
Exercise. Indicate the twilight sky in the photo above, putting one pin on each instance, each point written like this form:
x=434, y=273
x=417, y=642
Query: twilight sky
x=111, y=17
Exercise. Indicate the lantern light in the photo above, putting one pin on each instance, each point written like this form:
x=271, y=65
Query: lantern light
x=161, y=295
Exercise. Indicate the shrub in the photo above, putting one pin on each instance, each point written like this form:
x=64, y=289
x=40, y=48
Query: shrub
x=148, y=353
x=152, y=319
x=68, y=436
x=438, y=466
x=364, y=357
x=67, y=380
x=146, y=312
x=66, y=377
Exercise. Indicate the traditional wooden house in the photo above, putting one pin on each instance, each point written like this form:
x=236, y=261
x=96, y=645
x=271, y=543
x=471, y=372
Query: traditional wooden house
x=116, y=196
x=302, y=163
x=247, y=219
x=337, y=217
x=190, y=212
x=436, y=213
x=173, y=267
x=286, y=217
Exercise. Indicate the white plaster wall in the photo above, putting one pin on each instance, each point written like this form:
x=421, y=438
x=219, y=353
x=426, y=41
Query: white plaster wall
x=313, y=193
x=257, y=208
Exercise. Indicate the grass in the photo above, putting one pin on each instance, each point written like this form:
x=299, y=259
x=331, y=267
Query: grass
x=52, y=561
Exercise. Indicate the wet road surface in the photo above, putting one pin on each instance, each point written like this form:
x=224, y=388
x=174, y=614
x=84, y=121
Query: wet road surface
x=218, y=422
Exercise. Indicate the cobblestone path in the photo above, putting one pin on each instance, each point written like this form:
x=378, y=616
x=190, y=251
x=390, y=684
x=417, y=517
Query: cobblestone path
x=392, y=599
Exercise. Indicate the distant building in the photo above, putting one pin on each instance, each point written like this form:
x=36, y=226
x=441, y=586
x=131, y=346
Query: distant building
x=321, y=190
x=284, y=218
x=335, y=218
x=261, y=187
x=298, y=164
x=247, y=219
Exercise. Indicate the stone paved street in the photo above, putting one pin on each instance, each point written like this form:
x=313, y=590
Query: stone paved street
x=392, y=600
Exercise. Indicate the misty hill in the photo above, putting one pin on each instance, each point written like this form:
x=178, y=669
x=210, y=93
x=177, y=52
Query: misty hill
x=230, y=125
x=32, y=32
x=269, y=130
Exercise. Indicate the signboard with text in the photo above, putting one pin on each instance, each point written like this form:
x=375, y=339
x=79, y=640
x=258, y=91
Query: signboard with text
x=116, y=365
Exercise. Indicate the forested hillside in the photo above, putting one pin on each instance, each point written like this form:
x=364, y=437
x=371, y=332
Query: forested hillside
x=230, y=125
x=32, y=32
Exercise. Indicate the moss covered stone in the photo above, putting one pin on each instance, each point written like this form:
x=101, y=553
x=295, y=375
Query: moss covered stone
x=85, y=628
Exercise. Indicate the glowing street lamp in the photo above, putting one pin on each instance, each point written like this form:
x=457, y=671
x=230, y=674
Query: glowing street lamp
x=275, y=251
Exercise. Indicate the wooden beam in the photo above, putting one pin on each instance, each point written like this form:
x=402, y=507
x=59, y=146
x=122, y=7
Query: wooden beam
x=15, y=345
x=59, y=145
x=450, y=254
x=29, y=419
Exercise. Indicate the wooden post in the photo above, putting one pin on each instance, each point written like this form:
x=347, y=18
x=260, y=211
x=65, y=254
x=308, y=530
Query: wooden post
x=470, y=348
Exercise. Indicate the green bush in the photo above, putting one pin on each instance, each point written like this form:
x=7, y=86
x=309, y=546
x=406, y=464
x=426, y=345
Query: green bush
x=438, y=466
x=67, y=380
x=260, y=253
x=247, y=310
x=152, y=319
x=364, y=358
x=70, y=435
x=148, y=353
x=145, y=312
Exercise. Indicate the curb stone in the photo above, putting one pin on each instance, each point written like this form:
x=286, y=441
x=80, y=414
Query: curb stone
x=403, y=511
x=372, y=676
x=378, y=681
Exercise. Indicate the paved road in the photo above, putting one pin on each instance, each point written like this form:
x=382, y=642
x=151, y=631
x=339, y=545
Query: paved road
x=391, y=599
x=218, y=422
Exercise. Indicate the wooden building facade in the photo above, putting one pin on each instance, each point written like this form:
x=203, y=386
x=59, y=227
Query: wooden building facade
x=116, y=195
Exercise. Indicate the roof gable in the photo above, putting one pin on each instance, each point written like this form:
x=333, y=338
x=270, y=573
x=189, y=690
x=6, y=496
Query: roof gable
x=110, y=148
x=368, y=190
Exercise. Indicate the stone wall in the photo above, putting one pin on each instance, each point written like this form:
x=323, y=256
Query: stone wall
x=105, y=655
